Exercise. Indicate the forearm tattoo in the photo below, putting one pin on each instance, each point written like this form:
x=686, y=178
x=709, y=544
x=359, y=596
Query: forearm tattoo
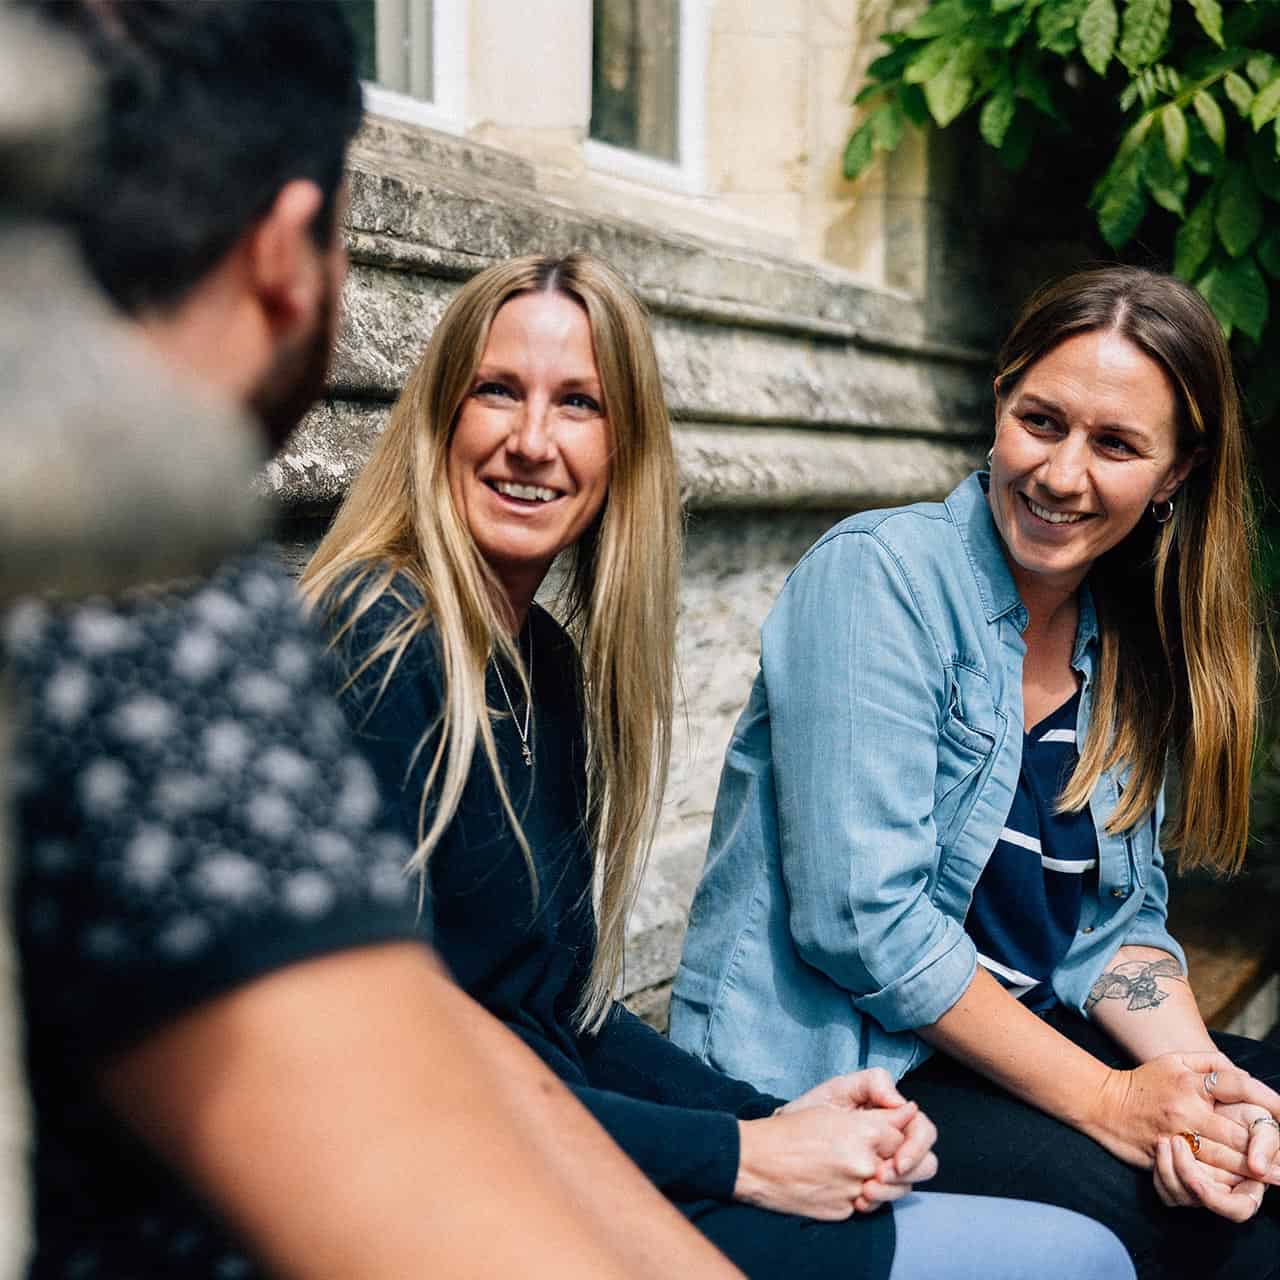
x=1137, y=981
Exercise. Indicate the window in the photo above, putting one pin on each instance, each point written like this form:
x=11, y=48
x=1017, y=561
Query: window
x=412, y=58
x=648, y=72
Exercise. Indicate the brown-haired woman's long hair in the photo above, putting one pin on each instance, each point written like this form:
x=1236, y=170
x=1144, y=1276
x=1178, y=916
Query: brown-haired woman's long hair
x=620, y=593
x=1176, y=608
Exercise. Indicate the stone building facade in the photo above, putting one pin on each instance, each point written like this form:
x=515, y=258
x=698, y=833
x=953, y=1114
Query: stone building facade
x=825, y=347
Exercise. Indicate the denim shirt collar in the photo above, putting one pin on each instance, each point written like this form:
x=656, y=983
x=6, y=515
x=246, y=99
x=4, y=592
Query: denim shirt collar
x=969, y=509
x=971, y=512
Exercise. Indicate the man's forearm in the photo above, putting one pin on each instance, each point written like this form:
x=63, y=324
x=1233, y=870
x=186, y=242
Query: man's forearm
x=356, y=1115
x=639, y=1222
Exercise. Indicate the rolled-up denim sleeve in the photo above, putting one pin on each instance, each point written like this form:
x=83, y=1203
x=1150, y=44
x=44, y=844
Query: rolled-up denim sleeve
x=1150, y=927
x=857, y=688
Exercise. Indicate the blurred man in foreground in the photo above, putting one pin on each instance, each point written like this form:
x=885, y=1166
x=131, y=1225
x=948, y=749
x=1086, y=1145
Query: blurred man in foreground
x=223, y=968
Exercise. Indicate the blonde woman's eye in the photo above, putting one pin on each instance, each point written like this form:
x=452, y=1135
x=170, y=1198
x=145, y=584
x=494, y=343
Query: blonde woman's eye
x=493, y=389
x=580, y=401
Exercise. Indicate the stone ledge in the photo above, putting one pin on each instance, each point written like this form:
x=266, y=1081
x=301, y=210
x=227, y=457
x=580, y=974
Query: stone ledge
x=428, y=152
x=712, y=372
x=720, y=466
x=399, y=209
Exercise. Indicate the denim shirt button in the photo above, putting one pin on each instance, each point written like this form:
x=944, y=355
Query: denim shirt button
x=1118, y=892
x=1087, y=929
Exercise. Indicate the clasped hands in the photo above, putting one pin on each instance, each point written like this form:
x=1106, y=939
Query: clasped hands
x=849, y=1145
x=1147, y=1114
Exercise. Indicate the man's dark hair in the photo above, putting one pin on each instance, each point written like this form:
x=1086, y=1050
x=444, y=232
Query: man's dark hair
x=212, y=106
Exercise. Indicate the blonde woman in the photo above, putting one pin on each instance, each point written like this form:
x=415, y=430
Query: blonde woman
x=910, y=856
x=530, y=758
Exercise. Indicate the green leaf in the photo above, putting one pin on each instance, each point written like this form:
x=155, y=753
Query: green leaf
x=1122, y=205
x=928, y=61
x=1146, y=23
x=996, y=117
x=1099, y=26
x=1239, y=90
x=859, y=152
x=1238, y=294
x=1262, y=68
x=1194, y=239
x=914, y=107
x=1269, y=253
x=1003, y=6
x=1203, y=157
x=891, y=65
x=1266, y=106
x=1056, y=25
x=941, y=18
x=1239, y=213
x=1132, y=140
x=1017, y=141
x=1167, y=184
x=1032, y=86
x=1174, y=126
x=949, y=91
x=886, y=127
x=1017, y=25
x=1211, y=117
x=1209, y=15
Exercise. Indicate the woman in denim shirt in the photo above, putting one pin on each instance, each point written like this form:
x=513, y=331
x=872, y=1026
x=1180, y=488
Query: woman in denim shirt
x=872, y=891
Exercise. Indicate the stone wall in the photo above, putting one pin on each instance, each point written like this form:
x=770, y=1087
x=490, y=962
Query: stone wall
x=797, y=394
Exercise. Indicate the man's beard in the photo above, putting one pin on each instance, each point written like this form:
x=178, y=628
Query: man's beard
x=296, y=378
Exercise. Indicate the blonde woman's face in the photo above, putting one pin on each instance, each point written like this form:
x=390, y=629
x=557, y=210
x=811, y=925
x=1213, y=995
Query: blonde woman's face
x=529, y=458
x=1085, y=442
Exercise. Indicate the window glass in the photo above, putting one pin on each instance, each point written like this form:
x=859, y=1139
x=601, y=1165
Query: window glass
x=635, y=75
x=394, y=39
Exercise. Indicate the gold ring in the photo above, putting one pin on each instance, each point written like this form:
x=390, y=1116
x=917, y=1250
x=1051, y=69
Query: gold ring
x=1192, y=1140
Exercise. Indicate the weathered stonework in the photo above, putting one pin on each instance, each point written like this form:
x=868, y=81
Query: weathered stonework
x=797, y=395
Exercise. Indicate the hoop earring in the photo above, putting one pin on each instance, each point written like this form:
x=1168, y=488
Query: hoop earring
x=1162, y=512
x=991, y=453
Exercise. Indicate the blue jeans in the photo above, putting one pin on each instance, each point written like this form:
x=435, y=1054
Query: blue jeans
x=949, y=1237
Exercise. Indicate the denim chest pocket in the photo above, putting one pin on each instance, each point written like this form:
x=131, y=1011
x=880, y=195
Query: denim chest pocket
x=1139, y=844
x=967, y=735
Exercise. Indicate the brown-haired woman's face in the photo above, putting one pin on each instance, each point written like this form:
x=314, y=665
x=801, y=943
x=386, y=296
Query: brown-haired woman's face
x=1085, y=442
x=529, y=457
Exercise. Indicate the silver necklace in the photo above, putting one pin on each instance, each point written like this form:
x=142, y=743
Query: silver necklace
x=525, y=748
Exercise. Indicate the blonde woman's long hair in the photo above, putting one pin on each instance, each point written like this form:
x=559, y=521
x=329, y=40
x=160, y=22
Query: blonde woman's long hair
x=618, y=599
x=1178, y=615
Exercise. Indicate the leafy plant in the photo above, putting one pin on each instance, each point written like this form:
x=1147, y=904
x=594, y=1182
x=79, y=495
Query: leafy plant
x=1196, y=120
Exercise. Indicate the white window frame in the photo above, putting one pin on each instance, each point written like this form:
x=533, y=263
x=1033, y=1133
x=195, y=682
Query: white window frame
x=449, y=47
x=689, y=174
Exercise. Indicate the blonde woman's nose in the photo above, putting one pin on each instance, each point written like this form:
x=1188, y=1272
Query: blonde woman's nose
x=532, y=438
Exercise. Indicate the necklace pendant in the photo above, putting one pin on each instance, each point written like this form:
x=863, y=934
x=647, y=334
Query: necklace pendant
x=528, y=754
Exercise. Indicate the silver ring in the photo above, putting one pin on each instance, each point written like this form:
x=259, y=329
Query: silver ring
x=1210, y=1083
x=1275, y=1124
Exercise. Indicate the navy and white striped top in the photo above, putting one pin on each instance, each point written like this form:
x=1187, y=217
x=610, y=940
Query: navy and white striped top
x=1026, y=905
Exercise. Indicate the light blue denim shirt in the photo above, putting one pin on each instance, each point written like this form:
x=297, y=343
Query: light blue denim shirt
x=863, y=791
